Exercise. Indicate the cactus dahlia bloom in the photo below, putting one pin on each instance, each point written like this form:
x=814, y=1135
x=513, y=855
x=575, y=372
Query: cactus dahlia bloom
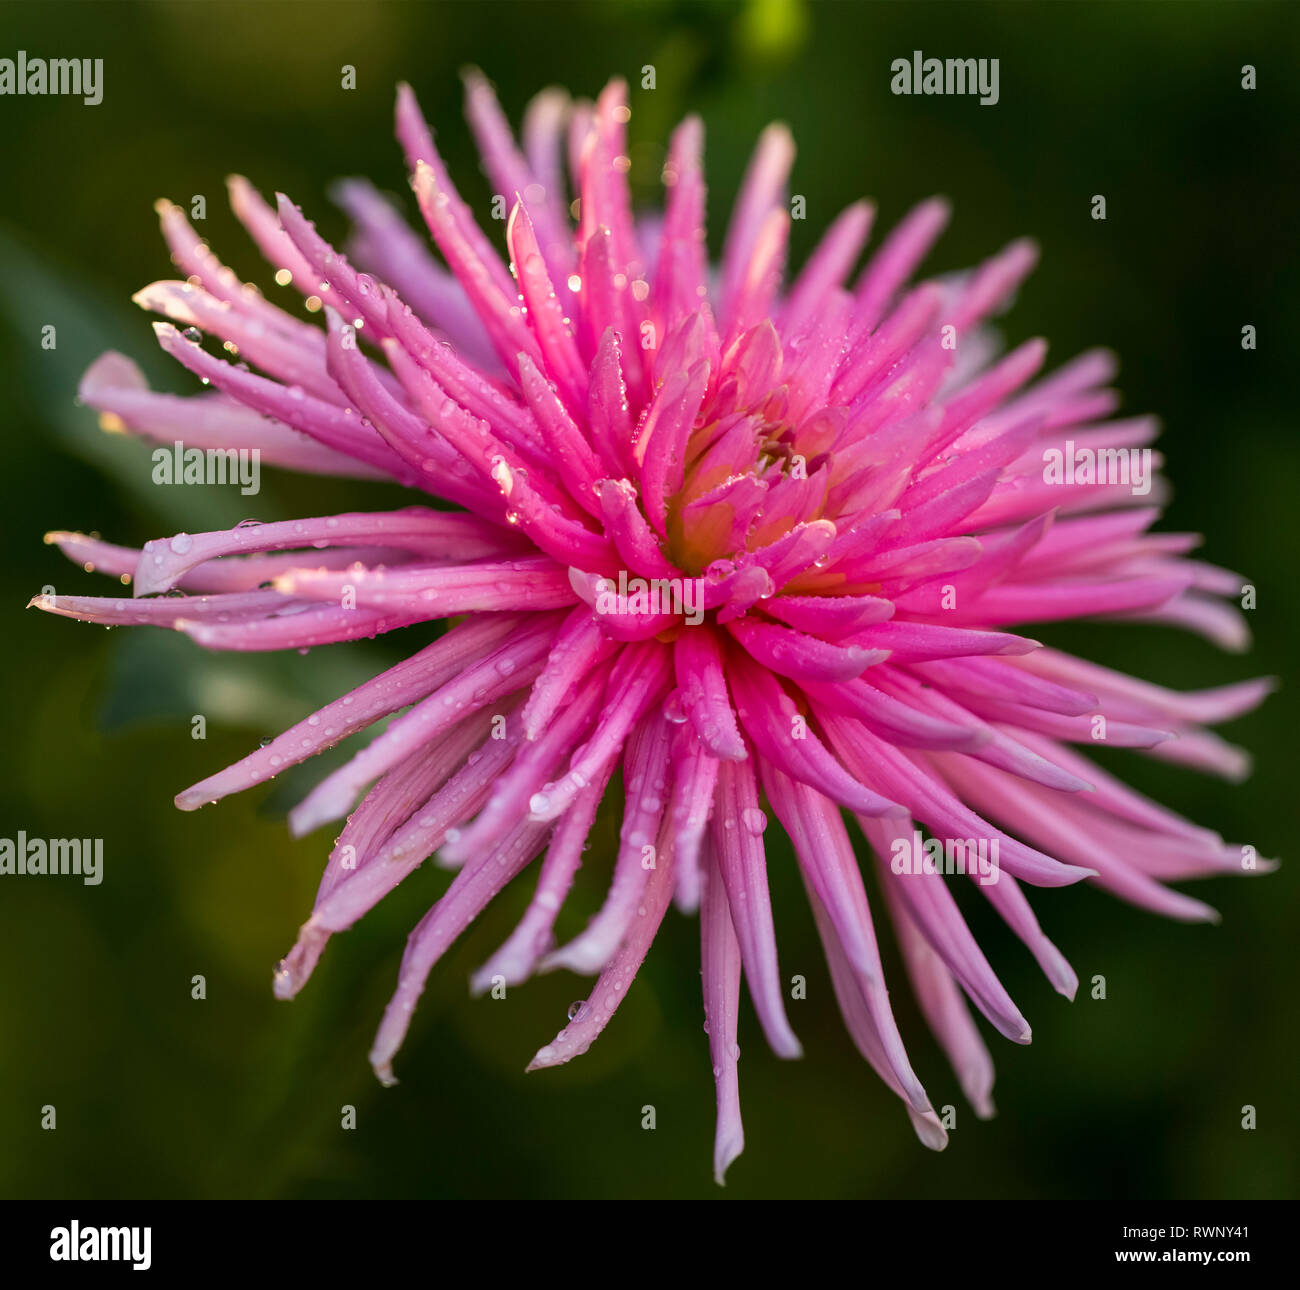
x=753, y=541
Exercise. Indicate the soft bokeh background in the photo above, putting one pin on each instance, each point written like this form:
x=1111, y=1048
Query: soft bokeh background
x=159, y=1095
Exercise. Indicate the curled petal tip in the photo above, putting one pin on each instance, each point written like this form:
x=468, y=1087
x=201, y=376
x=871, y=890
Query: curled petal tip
x=480, y=982
x=189, y=800
x=725, y=1154
x=584, y=960
x=309, y=822
x=929, y=1129
x=283, y=985
x=977, y=1084
x=545, y=1057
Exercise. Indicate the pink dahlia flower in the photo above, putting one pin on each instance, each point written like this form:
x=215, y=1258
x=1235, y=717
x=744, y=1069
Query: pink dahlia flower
x=755, y=542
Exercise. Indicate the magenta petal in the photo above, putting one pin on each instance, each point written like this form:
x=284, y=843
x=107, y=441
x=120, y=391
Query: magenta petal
x=500, y=672
x=720, y=970
x=695, y=776
x=469, y=893
x=930, y=904
x=940, y=999
x=162, y=564
x=830, y=869
x=799, y=656
x=386, y=809
x=536, y=761
x=516, y=959
x=736, y=831
x=613, y=983
x=646, y=786
x=775, y=724
x=384, y=694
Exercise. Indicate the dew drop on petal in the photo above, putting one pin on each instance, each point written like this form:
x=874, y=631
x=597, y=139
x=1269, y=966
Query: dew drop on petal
x=674, y=709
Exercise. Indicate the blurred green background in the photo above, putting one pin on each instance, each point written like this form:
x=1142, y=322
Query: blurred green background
x=160, y=1095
